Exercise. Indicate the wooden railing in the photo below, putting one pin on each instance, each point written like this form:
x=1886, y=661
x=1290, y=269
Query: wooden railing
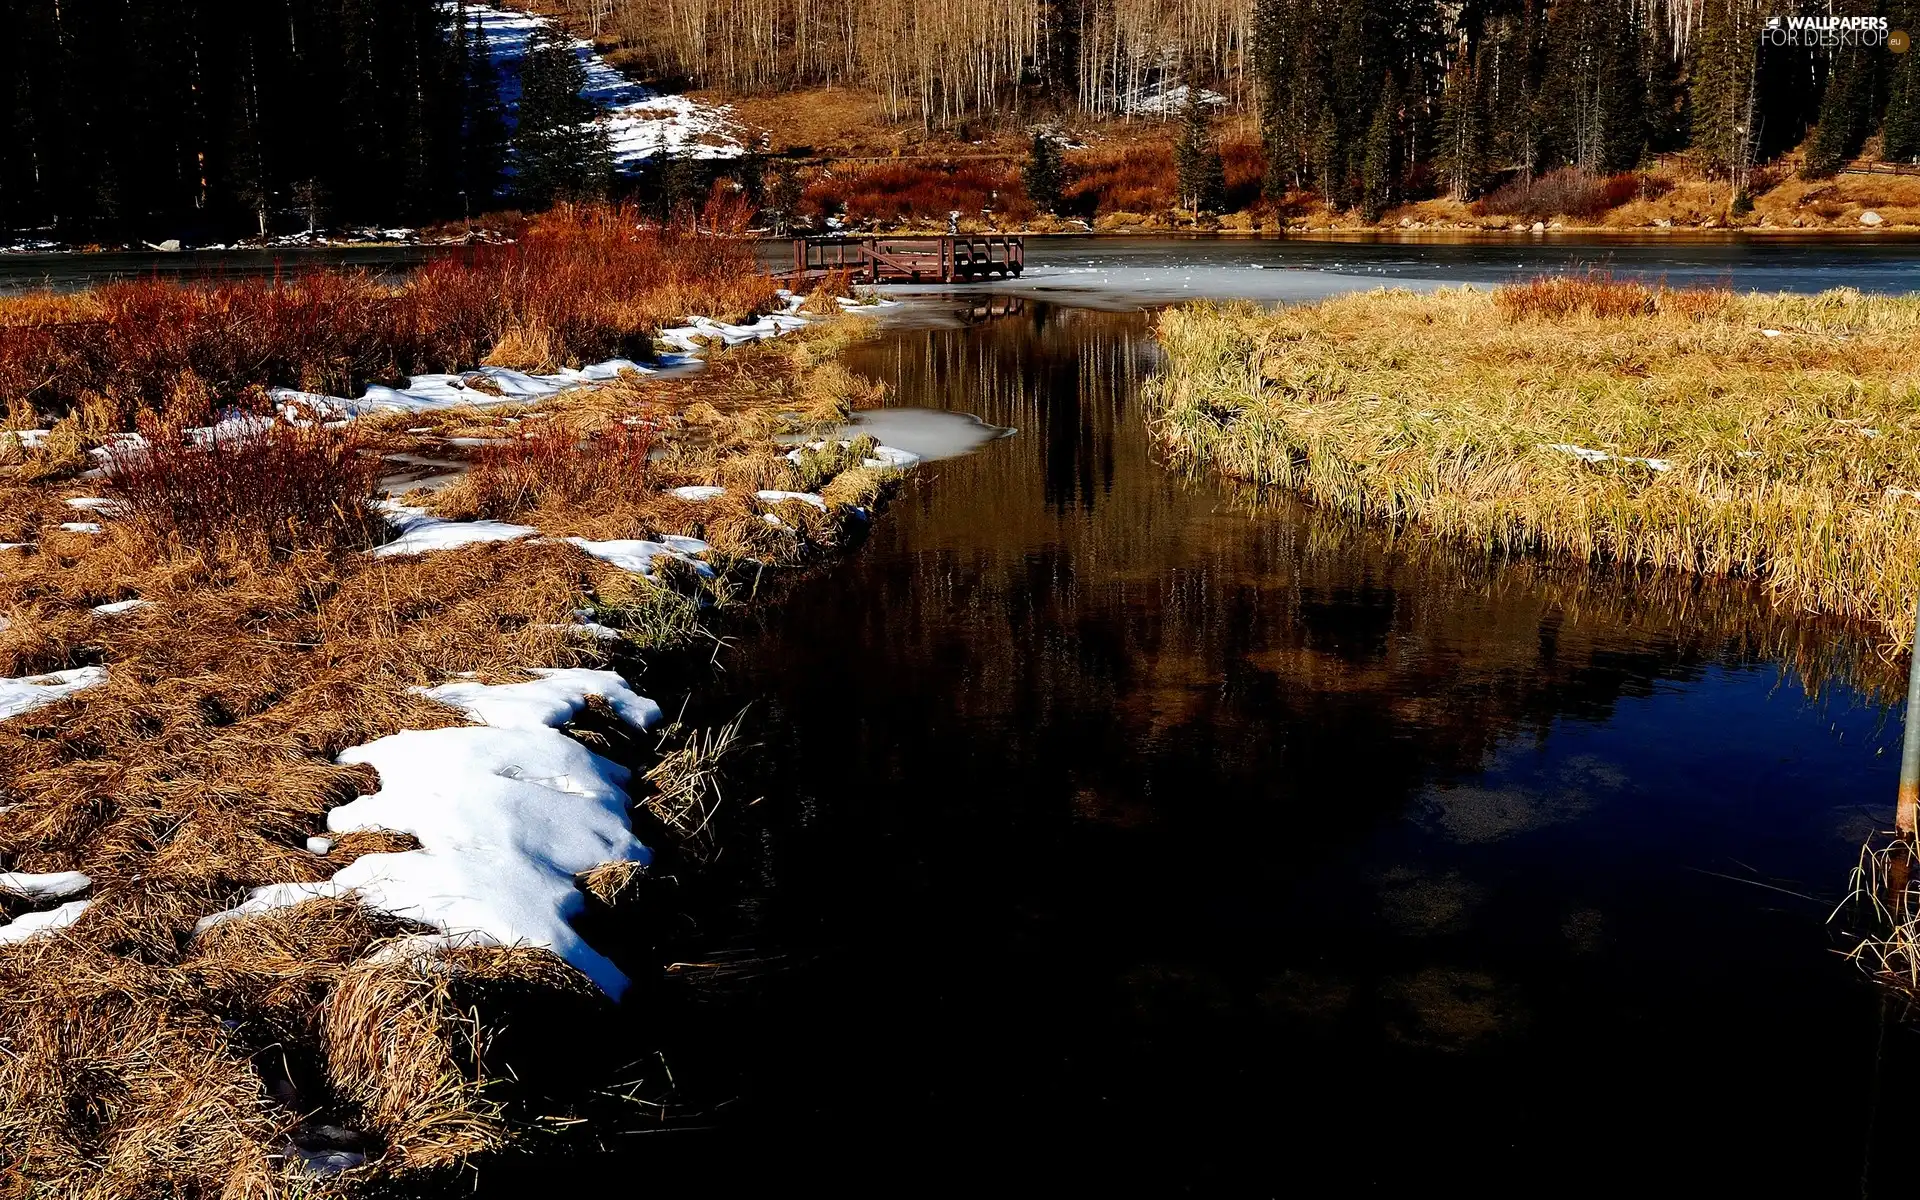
x=943, y=258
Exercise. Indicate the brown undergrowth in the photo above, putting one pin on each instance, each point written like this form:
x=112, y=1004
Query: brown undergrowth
x=140, y=1059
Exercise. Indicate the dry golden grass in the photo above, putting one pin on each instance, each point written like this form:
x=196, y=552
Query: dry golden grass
x=143, y=1060
x=1792, y=458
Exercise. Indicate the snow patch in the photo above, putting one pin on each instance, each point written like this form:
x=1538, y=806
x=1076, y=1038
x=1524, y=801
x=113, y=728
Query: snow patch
x=698, y=493
x=44, y=885
x=120, y=606
x=556, y=697
x=34, y=924
x=637, y=554
x=476, y=388
x=699, y=331
x=1599, y=456
x=507, y=812
x=641, y=124
x=28, y=692
x=421, y=532
x=1158, y=100
x=770, y=496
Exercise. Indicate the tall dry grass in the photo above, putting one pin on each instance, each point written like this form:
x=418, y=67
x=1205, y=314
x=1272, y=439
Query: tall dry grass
x=553, y=462
x=1792, y=458
x=583, y=283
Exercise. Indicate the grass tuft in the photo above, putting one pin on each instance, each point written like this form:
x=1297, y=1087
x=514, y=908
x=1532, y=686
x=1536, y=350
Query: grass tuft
x=552, y=461
x=688, y=786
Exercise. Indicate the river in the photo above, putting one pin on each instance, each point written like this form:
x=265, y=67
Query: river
x=1122, y=828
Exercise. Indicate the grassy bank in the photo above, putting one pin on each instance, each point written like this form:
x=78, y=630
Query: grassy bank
x=583, y=284
x=145, y=1058
x=1770, y=437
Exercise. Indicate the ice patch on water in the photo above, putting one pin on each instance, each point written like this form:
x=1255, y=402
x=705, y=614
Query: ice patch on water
x=926, y=433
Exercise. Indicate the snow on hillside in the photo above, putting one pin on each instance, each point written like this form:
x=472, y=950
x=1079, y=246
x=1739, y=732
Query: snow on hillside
x=642, y=123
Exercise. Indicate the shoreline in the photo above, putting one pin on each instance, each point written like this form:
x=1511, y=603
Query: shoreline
x=353, y=743
x=1434, y=233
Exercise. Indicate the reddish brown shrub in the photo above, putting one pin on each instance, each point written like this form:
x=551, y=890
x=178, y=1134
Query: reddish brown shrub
x=259, y=487
x=585, y=282
x=893, y=193
x=1246, y=170
x=1138, y=178
x=1567, y=192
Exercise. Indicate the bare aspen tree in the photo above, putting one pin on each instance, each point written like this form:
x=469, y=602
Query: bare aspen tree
x=935, y=60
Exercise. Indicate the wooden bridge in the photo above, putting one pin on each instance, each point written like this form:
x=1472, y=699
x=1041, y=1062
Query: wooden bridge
x=945, y=258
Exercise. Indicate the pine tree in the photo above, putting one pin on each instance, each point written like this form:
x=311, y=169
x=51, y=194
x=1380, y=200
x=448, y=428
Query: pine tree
x=1900, y=130
x=560, y=150
x=1846, y=109
x=1292, y=90
x=247, y=157
x=1724, y=70
x=1377, y=171
x=1330, y=161
x=679, y=184
x=781, y=188
x=1045, y=173
x=483, y=136
x=1462, y=151
x=1200, y=173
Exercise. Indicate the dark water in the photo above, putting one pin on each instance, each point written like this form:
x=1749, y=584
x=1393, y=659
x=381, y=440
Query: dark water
x=71, y=272
x=1124, y=271
x=1121, y=833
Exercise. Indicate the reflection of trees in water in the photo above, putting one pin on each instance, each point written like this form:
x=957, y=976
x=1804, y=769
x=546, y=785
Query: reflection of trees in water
x=1131, y=635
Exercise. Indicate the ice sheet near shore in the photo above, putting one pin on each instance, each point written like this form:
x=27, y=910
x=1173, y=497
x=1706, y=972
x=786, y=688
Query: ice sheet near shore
x=508, y=812
x=641, y=124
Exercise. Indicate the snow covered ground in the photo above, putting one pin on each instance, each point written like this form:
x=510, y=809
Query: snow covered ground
x=1162, y=100
x=641, y=123
x=509, y=811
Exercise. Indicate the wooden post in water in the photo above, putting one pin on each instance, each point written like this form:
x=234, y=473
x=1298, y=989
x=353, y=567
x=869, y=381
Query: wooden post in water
x=1908, y=806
